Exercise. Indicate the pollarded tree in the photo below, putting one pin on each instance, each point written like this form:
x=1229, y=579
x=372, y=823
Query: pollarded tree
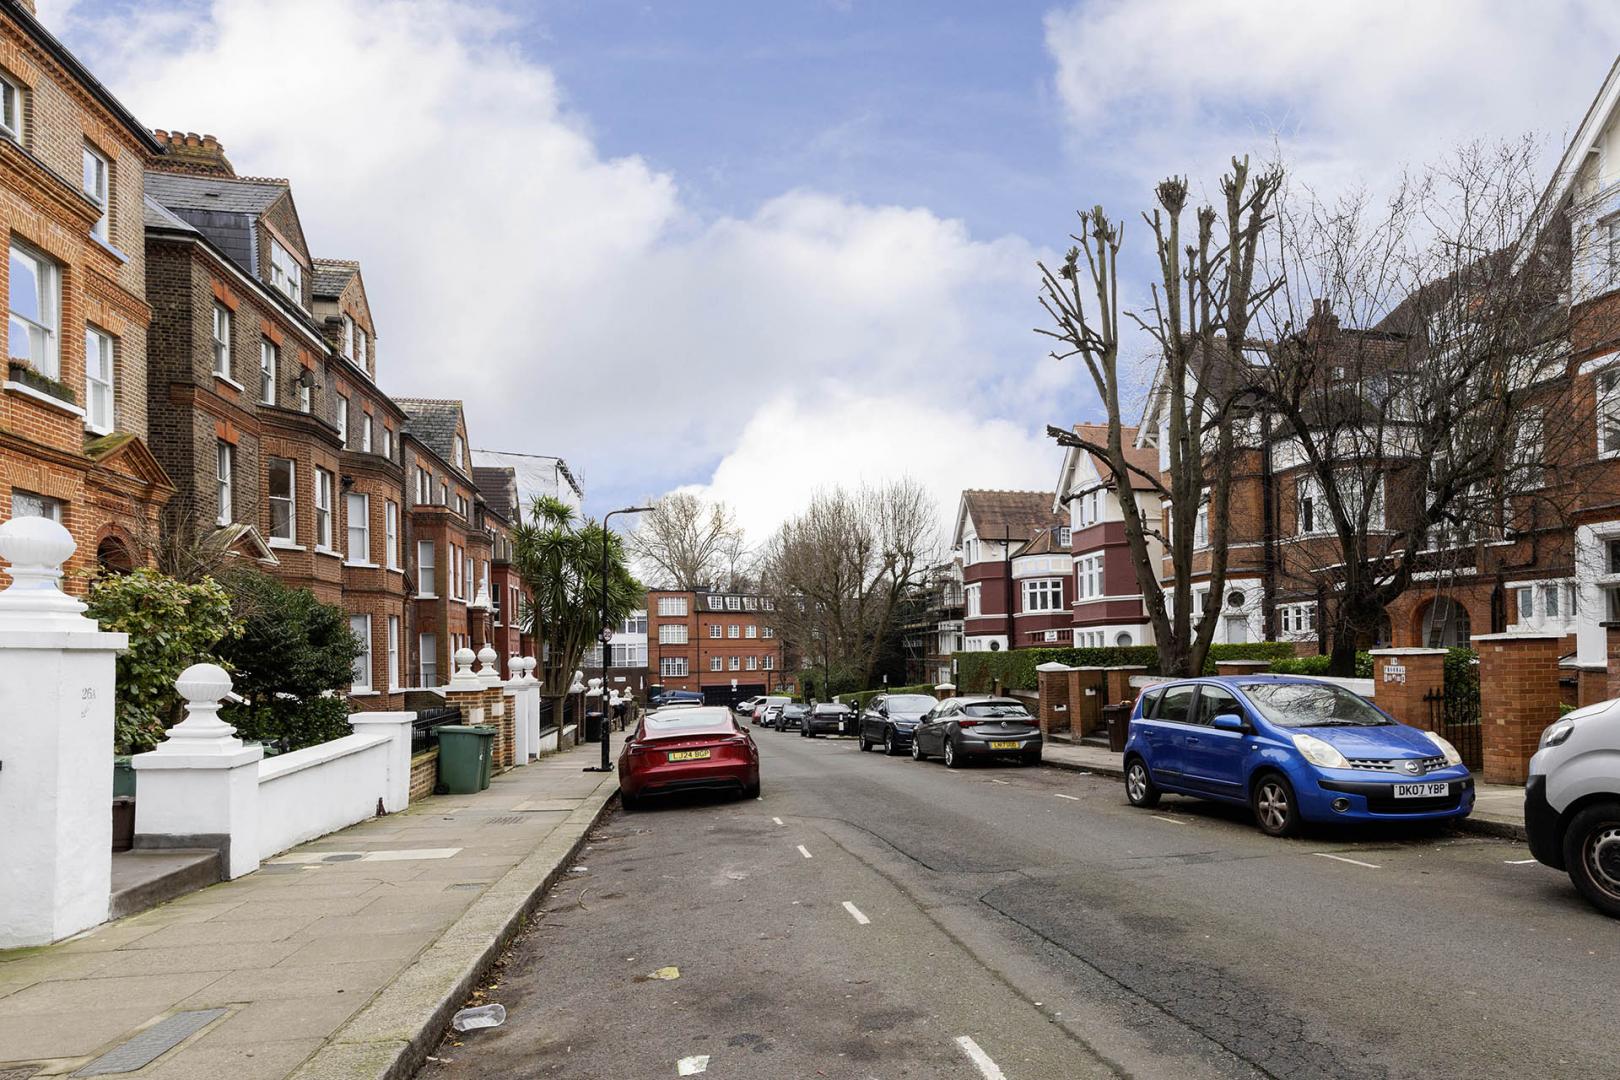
x=1207, y=294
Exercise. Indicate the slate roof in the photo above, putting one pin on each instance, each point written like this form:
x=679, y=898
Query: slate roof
x=1016, y=515
x=434, y=422
x=331, y=275
x=1143, y=457
x=223, y=194
x=498, y=485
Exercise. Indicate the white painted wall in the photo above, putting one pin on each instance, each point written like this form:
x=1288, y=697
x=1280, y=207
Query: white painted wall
x=321, y=789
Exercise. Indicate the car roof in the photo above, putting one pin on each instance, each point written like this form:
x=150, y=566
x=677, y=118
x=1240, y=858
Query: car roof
x=1238, y=682
x=987, y=699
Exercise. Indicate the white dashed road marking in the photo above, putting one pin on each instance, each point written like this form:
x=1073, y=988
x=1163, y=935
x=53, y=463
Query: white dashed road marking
x=804, y=851
x=1519, y=862
x=692, y=1066
x=981, y=1060
x=1341, y=858
x=1171, y=820
x=777, y=820
x=855, y=911
x=1071, y=798
x=993, y=780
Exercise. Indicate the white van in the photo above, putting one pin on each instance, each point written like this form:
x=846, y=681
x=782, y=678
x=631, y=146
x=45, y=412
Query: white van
x=1572, y=802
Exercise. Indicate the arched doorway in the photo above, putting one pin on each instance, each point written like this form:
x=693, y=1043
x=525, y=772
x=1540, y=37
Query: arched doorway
x=1444, y=624
x=113, y=556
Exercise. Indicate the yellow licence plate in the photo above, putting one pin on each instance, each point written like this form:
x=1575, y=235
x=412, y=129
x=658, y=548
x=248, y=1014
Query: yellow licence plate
x=687, y=755
x=1005, y=745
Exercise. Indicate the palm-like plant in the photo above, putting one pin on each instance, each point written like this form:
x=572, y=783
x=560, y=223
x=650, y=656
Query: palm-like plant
x=561, y=560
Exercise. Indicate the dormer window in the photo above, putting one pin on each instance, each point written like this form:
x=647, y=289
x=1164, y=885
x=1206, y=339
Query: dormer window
x=11, y=110
x=285, y=273
x=95, y=189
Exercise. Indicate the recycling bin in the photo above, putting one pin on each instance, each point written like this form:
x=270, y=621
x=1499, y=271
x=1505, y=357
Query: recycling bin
x=1118, y=718
x=466, y=753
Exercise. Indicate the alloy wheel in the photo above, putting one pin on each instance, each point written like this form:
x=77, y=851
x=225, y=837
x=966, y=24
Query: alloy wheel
x=950, y=754
x=1136, y=782
x=888, y=744
x=1272, y=803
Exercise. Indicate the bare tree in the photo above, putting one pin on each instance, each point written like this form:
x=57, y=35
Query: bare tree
x=839, y=572
x=1203, y=302
x=1414, y=379
x=686, y=543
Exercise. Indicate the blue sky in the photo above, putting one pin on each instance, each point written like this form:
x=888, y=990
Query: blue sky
x=753, y=249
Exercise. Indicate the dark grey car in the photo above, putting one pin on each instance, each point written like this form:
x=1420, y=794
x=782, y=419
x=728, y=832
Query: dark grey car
x=791, y=717
x=889, y=719
x=960, y=729
x=830, y=718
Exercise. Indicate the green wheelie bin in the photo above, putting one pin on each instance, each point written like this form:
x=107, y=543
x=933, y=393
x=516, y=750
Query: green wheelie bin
x=465, y=755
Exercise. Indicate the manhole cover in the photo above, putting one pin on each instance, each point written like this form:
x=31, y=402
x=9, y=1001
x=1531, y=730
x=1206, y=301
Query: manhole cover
x=152, y=1043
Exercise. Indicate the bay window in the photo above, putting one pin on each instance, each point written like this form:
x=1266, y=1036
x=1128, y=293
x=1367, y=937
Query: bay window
x=360, y=627
x=359, y=515
x=1043, y=594
x=283, y=500
x=323, y=510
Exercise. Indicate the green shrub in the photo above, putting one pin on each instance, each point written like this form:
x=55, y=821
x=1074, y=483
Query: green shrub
x=977, y=672
x=292, y=664
x=171, y=625
x=1319, y=665
x=1461, y=674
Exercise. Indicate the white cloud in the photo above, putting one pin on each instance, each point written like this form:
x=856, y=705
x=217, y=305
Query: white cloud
x=573, y=300
x=793, y=446
x=1351, y=89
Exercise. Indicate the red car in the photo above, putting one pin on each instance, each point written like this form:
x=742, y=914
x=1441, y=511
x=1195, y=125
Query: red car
x=686, y=749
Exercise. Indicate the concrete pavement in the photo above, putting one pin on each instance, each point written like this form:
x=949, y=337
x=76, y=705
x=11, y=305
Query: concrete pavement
x=342, y=958
x=1498, y=808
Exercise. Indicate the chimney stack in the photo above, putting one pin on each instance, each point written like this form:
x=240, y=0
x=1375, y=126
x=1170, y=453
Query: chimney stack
x=188, y=152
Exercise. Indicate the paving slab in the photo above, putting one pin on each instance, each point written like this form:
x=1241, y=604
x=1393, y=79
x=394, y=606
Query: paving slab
x=344, y=969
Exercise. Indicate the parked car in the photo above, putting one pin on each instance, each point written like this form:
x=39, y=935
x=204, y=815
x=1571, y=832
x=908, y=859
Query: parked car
x=745, y=707
x=675, y=697
x=1294, y=750
x=888, y=720
x=687, y=749
x=791, y=716
x=829, y=717
x=1572, y=802
x=766, y=710
x=960, y=729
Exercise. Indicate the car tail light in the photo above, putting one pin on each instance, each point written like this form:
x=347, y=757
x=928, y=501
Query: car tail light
x=734, y=740
x=967, y=723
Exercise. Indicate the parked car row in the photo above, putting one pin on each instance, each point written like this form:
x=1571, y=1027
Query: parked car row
x=956, y=730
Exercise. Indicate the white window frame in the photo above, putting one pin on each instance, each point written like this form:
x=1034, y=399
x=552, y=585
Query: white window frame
x=1607, y=384
x=972, y=600
x=360, y=627
x=286, y=273
x=753, y=663
x=391, y=532
x=11, y=109
x=750, y=631
x=467, y=585
x=427, y=659
x=672, y=667
x=225, y=479
x=1042, y=595
x=1201, y=528
x=388, y=442
x=673, y=634
x=100, y=399
x=362, y=531
x=32, y=504
x=1090, y=507
x=393, y=652
x=96, y=183
x=221, y=334
x=671, y=606
x=269, y=361
x=348, y=336
x=362, y=350
x=734, y=664
x=343, y=420
x=1297, y=620
x=44, y=338
x=734, y=631
x=426, y=570
x=769, y=631
x=715, y=663
x=290, y=499
x=770, y=663
x=323, y=510
x=365, y=433
x=1088, y=577
x=716, y=631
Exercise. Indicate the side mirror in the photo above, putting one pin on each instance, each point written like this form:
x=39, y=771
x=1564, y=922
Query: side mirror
x=1231, y=722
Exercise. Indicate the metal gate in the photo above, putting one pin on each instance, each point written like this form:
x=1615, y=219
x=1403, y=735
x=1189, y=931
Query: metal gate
x=1455, y=718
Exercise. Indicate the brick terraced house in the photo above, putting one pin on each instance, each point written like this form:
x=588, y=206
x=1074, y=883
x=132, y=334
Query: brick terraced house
x=707, y=640
x=73, y=402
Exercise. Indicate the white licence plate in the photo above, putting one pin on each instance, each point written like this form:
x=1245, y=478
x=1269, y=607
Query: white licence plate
x=1433, y=789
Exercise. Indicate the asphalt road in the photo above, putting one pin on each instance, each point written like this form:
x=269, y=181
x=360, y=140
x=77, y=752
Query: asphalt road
x=1065, y=934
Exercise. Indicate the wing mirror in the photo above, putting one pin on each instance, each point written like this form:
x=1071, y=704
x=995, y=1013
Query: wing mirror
x=1231, y=722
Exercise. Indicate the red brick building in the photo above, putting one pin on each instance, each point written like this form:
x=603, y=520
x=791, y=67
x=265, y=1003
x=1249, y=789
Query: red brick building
x=992, y=528
x=706, y=641
x=73, y=401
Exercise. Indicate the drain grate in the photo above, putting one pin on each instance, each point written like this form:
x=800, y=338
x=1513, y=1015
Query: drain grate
x=510, y=819
x=152, y=1043
x=27, y=1072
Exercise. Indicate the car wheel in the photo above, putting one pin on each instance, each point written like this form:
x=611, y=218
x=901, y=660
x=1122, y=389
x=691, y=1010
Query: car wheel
x=952, y=759
x=1275, y=809
x=631, y=803
x=865, y=746
x=889, y=746
x=1139, y=786
x=916, y=749
x=1592, y=853
x=751, y=791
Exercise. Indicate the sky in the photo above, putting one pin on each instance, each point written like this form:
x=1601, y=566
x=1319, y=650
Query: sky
x=752, y=249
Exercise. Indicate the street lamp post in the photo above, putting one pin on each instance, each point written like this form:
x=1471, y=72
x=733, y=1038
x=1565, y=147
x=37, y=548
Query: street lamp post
x=607, y=631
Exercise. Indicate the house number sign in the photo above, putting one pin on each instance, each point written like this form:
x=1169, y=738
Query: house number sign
x=1395, y=673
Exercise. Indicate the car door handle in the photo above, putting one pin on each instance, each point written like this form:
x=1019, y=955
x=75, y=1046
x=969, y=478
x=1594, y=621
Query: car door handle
x=1191, y=739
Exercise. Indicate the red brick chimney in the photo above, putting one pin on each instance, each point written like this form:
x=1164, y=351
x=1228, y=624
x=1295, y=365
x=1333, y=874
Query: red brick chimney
x=188, y=152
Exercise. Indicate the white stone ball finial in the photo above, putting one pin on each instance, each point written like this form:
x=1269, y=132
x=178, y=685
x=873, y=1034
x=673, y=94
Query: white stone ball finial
x=489, y=666
x=464, y=678
x=204, y=686
x=36, y=548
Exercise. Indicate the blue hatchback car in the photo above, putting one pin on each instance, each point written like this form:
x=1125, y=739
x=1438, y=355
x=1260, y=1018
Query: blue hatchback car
x=1294, y=750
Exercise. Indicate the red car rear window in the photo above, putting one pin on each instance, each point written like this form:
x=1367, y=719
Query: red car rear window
x=679, y=722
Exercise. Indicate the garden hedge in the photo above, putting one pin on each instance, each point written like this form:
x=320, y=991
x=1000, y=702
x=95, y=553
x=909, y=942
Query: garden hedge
x=976, y=672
